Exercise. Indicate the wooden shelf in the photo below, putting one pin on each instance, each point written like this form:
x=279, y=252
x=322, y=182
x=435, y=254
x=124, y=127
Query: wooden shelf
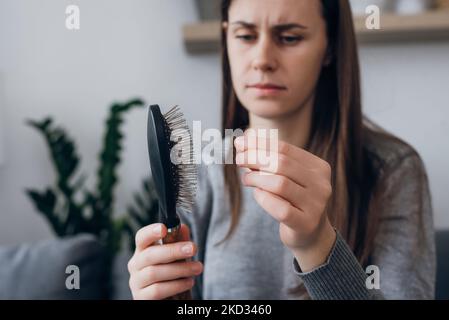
x=432, y=25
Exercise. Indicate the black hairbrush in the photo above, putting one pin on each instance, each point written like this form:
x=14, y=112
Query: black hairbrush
x=170, y=148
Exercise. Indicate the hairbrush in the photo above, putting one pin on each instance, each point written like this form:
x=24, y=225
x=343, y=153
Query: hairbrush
x=170, y=149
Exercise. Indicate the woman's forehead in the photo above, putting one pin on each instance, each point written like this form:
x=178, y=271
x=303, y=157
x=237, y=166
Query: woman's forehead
x=274, y=12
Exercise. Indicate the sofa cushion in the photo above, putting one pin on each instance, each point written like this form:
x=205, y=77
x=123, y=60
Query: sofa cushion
x=38, y=271
x=442, y=246
x=120, y=277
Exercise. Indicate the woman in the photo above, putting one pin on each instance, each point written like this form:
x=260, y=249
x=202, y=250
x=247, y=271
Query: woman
x=344, y=195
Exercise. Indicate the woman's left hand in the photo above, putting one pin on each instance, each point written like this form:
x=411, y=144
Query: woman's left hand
x=294, y=187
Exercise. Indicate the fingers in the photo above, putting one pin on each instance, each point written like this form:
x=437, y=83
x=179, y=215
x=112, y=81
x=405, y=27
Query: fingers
x=163, y=290
x=166, y=253
x=250, y=142
x=148, y=235
x=280, y=209
x=152, y=233
x=184, y=233
x=164, y=272
x=279, y=185
x=278, y=164
x=156, y=271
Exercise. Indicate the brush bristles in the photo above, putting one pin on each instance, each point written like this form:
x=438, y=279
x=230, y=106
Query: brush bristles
x=185, y=171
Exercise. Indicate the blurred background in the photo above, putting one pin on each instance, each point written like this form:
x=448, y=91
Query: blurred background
x=164, y=52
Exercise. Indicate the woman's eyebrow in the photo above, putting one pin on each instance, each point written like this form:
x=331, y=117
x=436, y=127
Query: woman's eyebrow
x=277, y=27
x=245, y=24
x=288, y=26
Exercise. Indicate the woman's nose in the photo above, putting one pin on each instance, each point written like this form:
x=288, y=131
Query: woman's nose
x=264, y=57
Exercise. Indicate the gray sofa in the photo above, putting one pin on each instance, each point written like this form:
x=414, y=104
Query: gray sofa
x=442, y=285
x=38, y=271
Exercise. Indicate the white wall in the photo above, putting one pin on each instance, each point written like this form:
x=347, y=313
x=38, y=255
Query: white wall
x=134, y=48
x=123, y=49
x=2, y=152
x=406, y=90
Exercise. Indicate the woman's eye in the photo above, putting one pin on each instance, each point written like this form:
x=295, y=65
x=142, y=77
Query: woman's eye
x=289, y=40
x=246, y=37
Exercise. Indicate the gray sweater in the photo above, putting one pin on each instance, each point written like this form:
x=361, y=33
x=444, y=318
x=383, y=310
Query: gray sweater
x=254, y=264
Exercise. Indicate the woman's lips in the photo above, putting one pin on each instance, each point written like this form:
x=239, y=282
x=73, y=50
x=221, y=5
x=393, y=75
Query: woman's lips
x=265, y=89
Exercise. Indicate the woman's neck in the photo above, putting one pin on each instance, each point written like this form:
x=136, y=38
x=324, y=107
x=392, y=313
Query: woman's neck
x=293, y=128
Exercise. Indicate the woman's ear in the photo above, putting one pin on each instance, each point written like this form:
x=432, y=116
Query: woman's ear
x=224, y=25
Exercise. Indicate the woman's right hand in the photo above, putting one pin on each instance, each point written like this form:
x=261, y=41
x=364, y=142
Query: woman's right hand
x=156, y=271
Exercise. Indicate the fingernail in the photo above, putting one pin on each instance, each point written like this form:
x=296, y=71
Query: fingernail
x=187, y=248
x=157, y=229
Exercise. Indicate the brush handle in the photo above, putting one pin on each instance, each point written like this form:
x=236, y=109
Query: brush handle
x=173, y=235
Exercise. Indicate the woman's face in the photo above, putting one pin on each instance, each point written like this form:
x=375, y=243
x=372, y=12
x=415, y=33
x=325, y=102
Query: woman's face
x=276, y=51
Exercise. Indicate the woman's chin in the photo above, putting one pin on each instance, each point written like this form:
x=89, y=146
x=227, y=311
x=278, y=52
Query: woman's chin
x=267, y=110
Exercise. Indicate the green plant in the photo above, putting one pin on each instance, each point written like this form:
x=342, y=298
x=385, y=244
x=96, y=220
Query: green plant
x=70, y=208
x=143, y=212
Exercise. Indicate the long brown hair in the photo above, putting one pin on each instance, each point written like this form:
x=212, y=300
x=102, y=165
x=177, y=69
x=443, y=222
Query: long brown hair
x=338, y=133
